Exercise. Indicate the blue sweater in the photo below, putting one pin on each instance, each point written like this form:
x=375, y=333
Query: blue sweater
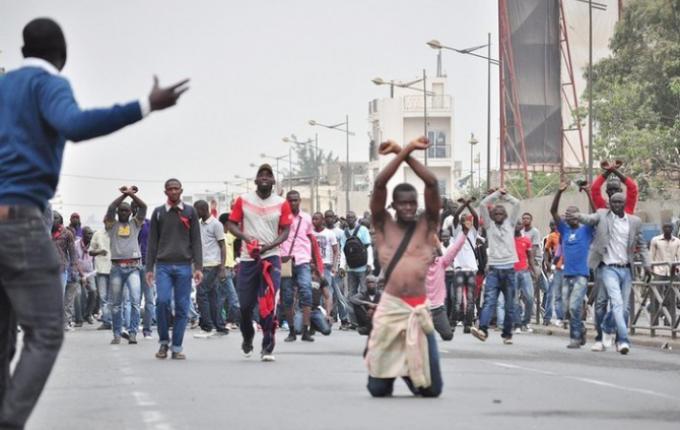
x=38, y=113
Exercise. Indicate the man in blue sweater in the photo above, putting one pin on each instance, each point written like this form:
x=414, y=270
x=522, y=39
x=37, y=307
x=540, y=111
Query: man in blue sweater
x=38, y=113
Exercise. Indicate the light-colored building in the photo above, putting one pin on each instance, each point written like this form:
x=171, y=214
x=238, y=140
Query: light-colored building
x=401, y=118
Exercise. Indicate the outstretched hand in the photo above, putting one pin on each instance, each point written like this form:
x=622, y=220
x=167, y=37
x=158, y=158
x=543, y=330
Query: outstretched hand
x=389, y=147
x=162, y=98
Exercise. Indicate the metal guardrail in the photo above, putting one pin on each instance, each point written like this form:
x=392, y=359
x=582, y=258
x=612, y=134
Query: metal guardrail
x=653, y=302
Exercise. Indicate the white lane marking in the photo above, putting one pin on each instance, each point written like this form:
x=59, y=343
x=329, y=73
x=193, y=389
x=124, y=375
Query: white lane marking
x=621, y=387
x=155, y=420
x=590, y=381
x=143, y=399
x=528, y=369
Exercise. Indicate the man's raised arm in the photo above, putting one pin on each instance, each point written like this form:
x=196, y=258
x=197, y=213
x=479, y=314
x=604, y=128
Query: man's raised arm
x=432, y=199
x=554, y=208
x=379, y=196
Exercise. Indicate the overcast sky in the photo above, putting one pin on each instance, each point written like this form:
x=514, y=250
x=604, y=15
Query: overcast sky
x=259, y=71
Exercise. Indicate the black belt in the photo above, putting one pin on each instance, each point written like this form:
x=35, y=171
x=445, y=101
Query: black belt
x=12, y=212
x=620, y=266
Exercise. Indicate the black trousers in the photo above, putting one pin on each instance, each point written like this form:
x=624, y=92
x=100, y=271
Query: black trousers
x=30, y=296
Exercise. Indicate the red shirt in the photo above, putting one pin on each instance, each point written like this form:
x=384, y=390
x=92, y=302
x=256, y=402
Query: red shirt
x=522, y=245
x=600, y=202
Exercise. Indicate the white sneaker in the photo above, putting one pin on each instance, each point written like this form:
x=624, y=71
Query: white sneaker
x=268, y=357
x=598, y=347
x=607, y=340
x=148, y=336
x=204, y=334
x=623, y=348
x=558, y=323
x=518, y=330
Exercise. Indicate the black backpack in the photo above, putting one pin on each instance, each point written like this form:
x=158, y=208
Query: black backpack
x=355, y=251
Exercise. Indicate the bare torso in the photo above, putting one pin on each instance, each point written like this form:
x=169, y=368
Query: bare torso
x=408, y=277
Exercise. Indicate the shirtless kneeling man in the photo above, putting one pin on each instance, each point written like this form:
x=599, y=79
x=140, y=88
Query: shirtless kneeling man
x=402, y=342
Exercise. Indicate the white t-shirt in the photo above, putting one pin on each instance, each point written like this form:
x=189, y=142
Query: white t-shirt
x=465, y=260
x=326, y=239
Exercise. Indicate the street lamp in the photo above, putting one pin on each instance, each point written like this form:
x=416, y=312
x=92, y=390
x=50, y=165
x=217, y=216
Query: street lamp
x=409, y=85
x=472, y=143
x=435, y=44
x=347, y=135
x=315, y=159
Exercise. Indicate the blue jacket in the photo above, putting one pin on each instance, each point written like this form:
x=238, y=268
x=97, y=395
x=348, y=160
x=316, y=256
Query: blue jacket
x=38, y=113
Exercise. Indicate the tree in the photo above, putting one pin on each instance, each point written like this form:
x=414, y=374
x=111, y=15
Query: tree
x=636, y=94
x=306, y=161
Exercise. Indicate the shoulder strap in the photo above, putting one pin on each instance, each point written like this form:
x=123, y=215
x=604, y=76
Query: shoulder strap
x=399, y=252
x=474, y=249
x=290, y=251
x=356, y=230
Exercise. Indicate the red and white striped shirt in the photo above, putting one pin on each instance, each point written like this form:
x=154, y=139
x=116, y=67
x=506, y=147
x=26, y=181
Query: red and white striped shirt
x=261, y=219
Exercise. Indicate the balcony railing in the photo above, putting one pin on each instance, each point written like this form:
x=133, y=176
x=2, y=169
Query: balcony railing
x=434, y=103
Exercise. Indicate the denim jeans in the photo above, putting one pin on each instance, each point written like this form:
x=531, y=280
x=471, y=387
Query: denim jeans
x=86, y=301
x=302, y=278
x=339, y=301
x=173, y=281
x=525, y=294
x=72, y=289
x=499, y=281
x=125, y=278
x=464, y=282
x=356, y=281
x=318, y=322
x=250, y=288
x=228, y=292
x=617, y=283
x=32, y=297
x=554, y=296
x=574, y=291
x=382, y=387
x=149, y=293
x=104, y=303
x=441, y=323
x=210, y=300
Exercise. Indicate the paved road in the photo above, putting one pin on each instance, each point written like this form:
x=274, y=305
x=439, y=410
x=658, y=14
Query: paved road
x=536, y=383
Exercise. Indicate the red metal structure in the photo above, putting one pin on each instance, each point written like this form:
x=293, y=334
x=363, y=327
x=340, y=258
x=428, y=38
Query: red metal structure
x=572, y=139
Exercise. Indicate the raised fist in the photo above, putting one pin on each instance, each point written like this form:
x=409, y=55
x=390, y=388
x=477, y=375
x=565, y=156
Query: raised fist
x=389, y=147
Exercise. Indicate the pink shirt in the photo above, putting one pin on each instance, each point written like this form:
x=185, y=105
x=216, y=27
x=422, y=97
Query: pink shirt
x=435, y=282
x=302, y=249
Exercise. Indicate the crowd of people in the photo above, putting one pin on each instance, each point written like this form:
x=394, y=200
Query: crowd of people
x=398, y=275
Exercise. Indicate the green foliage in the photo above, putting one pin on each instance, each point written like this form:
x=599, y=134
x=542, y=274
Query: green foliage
x=636, y=94
x=304, y=163
x=541, y=184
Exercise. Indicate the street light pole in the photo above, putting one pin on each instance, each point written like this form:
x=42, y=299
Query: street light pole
x=347, y=174
x=488, y=112
x=425, y=110
x=590, y=91
x=316, y=170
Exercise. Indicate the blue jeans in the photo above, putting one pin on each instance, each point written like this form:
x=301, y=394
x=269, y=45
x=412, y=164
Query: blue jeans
x=149, y=293
x=616, y=284
x=525, y=293
x=210, y=299
x=339, y=301
x=302, y=278
x=173, y=281
x=318, y=322
x=125, y=278
x=497, y=281
x=228, y=292
x=356, y=281
x=554, y=293
x=382, y=387
x=104, y=303
x=574, y=291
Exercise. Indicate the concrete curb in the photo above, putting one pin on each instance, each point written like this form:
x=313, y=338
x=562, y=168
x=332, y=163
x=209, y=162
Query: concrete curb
x=657, y=342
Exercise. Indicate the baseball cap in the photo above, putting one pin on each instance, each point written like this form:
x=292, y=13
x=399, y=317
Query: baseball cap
x=265, y=166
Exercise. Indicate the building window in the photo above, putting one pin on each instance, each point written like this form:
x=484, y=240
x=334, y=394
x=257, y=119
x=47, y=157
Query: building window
x=439, y=147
